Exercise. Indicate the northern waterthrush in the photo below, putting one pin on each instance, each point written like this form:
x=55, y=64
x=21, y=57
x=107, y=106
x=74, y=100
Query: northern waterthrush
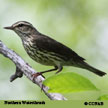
x=48, y=51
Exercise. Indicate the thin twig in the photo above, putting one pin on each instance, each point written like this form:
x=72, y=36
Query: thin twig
x=24, y=68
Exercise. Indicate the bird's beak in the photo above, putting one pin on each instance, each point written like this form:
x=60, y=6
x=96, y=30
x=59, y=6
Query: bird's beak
x=9, y=28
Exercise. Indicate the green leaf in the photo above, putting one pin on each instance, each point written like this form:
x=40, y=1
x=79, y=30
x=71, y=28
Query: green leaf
x=67, y=83
x=104, y=97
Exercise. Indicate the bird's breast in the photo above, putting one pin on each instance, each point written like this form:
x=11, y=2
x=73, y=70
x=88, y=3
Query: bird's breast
x=42, y=56
x=36, y=54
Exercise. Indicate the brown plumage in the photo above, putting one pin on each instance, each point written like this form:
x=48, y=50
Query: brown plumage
x=48, y=51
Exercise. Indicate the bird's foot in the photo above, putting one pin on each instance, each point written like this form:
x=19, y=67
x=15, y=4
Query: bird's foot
x=36, y=75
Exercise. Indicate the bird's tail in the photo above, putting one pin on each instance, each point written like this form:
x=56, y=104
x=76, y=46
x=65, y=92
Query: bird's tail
x=84, y=65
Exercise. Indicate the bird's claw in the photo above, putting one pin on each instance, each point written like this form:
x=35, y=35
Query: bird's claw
x=36, y=75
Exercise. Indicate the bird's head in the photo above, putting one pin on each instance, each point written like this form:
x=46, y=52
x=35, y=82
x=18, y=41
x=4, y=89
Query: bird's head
x=22, y=28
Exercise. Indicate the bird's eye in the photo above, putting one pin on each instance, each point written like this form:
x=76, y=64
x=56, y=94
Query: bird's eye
x=20, y=25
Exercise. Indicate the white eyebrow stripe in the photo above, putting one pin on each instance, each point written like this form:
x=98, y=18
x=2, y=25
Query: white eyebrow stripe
x=21, y=22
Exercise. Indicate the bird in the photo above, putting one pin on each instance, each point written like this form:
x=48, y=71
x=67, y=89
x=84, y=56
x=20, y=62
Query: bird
x=47, y=51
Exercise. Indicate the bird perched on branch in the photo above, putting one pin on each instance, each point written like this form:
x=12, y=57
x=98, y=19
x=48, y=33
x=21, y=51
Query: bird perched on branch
x=48, y=51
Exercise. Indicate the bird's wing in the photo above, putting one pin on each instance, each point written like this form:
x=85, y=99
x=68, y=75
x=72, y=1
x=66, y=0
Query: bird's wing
x=50, y=45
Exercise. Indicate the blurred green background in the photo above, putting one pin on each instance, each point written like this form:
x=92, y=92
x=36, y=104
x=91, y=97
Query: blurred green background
x=80, y=24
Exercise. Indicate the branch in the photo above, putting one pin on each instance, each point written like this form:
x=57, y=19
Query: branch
x=23, y=68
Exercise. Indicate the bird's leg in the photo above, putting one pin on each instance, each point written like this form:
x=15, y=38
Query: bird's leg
x=49, y=70
x=59, y=69
x=40, y=73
